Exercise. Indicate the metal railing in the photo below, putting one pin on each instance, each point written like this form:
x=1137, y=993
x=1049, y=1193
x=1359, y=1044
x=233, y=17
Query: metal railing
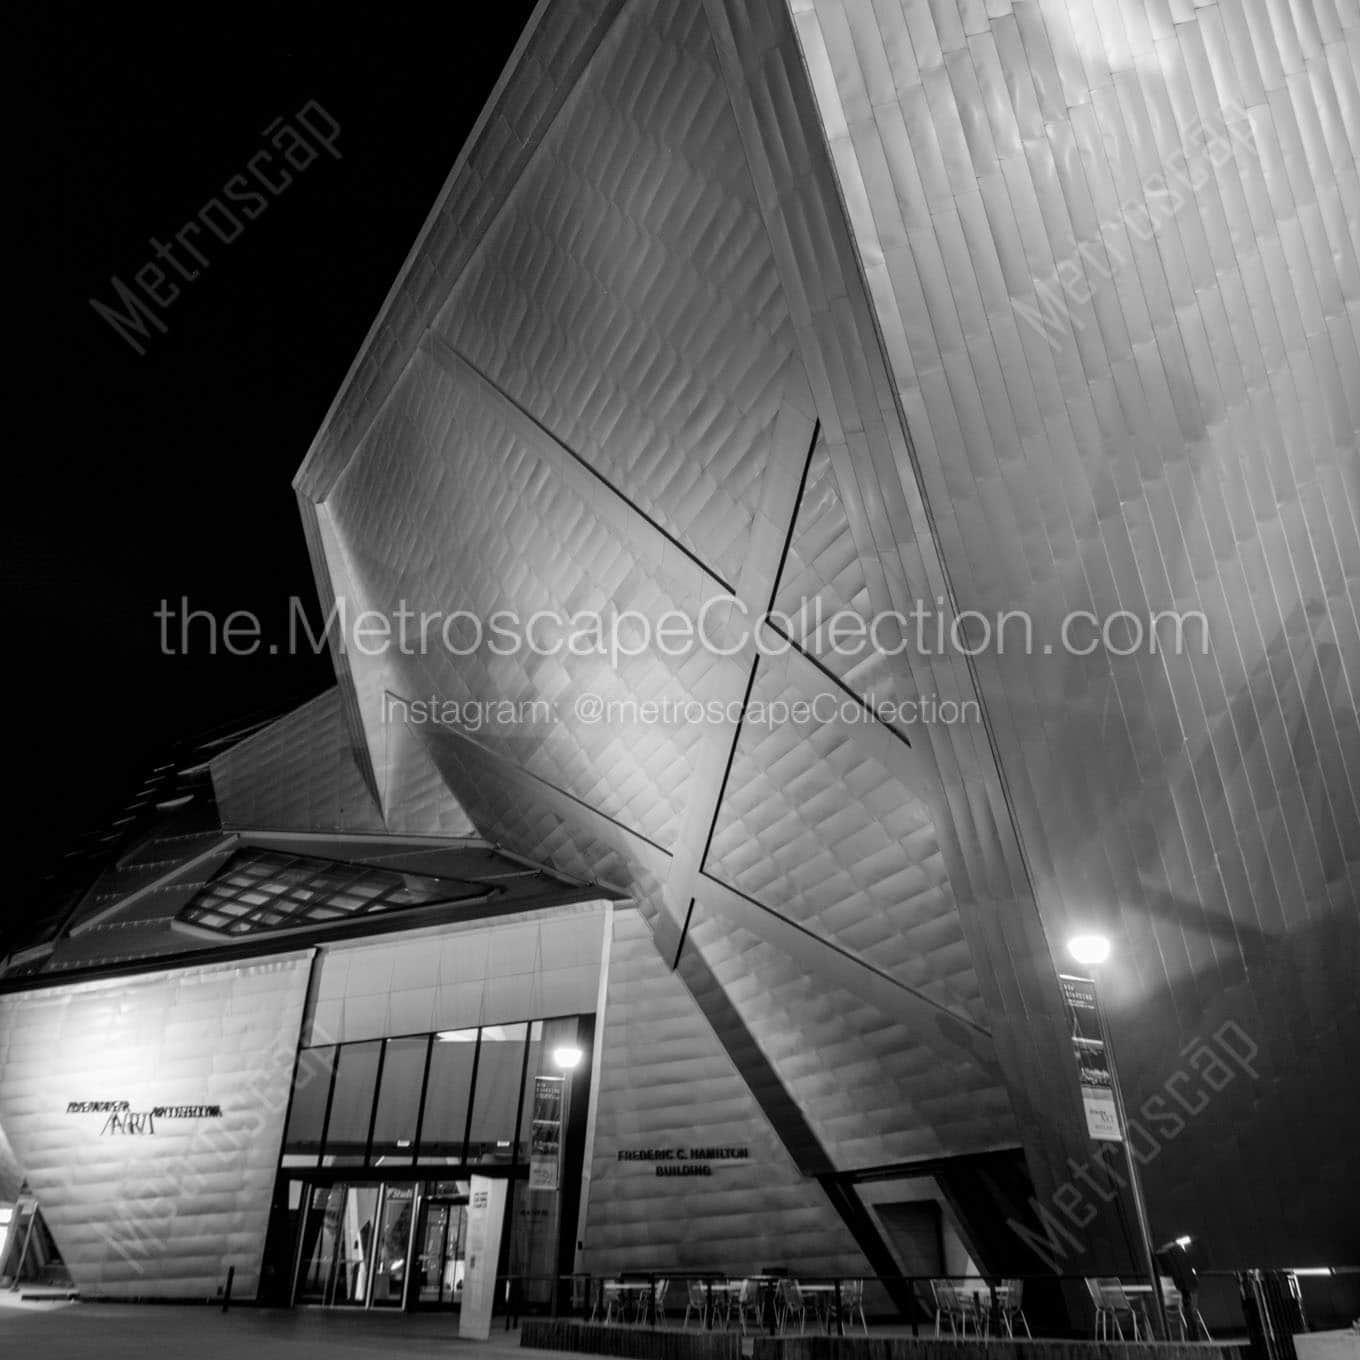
x=1239, y=1304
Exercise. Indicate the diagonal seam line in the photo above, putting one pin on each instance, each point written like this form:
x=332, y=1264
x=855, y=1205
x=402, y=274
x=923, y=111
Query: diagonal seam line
x=838, y=682
x=459, y=735
x=755, y=663
x=440, y=349
x=475, y=141
x=847, y=955
x=793, y=517
x=684, y=932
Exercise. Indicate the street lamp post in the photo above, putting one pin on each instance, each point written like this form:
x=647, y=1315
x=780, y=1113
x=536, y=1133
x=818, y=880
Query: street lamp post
x=1092, y=951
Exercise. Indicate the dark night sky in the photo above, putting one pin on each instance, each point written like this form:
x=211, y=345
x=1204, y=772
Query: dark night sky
x=168, y=474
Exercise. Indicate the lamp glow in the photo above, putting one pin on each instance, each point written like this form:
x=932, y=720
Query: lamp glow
x=1089, y=949
x=567, y=1057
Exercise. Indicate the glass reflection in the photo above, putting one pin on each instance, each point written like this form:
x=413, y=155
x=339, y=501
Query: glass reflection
x=394, y=1125
x=451, y=1098
x=307, y=1117
x=352, y=1104
x=496, y=1098
x=452, y=1056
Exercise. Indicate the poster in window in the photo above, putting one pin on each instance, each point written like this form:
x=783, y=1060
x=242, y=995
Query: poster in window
x=1093, y=1068
x=545, y=1135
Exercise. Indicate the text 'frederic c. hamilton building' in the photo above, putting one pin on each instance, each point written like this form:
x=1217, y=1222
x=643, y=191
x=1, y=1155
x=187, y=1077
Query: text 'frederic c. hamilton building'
x=817, y=306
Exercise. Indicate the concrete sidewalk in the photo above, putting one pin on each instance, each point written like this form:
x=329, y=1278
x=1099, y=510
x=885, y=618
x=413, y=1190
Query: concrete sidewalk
x=106, y=1331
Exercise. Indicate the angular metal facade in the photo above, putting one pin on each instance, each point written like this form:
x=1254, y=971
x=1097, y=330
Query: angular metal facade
x=665, y=1083
x=164, y=1206
x=754, y=298
x=1182, y=436
x=988, y=305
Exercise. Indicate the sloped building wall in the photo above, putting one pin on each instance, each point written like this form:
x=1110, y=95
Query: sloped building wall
x=666, y=1084
x=298, y=774
x=146, y=1115
x=1111, y=253
x=608, y=406
x=723, y=298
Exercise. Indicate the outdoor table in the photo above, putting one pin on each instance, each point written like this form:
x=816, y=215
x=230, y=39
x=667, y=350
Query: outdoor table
x=768, y=1313
x=717, y=1288
x=1142, y=1295
x=823, y=1292
x=630, y=1287
x=987, y=1310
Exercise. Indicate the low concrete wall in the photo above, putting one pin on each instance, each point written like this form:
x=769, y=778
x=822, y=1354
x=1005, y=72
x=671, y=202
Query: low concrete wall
x=637, y=1343
x=940, y=1348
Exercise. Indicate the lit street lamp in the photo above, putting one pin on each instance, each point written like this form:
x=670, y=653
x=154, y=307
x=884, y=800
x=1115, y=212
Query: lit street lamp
x=1091, y=951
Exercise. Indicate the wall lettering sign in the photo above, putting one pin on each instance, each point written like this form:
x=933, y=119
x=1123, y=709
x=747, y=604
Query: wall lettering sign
x=121, y=1118
x=685, y=1161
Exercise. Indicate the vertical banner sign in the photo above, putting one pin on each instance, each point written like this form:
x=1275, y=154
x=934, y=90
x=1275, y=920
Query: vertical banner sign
x=545, y=1135
x=486, y=1214
x=1093, y=1071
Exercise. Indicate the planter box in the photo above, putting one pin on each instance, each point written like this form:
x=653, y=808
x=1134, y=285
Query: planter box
x=636, y=1343
x=810, y=1347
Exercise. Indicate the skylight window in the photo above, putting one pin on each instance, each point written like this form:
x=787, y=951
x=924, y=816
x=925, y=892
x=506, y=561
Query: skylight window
x=265, y=890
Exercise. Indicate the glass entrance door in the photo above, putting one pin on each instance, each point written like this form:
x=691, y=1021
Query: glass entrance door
x=392, y=1246
x=381, y=1244
x=440, y=1251
x=337, y=1259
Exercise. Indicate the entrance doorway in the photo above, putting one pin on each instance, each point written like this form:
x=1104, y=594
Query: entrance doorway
x=441, y=1246
x=380, y=1244
x=356, y=1241
x=28, y=1253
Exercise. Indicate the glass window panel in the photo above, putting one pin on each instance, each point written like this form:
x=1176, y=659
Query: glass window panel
x=527, y=1105
x=533, y=1241
x=500, y=1068
x=352, y=1104
x=545, y=1039
x=446, y=1096
x=394, y=1130
x=311, y=1086
x=390, y=1246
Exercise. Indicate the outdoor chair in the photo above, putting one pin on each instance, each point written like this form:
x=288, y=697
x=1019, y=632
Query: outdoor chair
x=743, y=1304
x=1173, y=1304
x=696, y=1302
x=1010, y=1296
x=658, y=1303
x=615, y=1302
x=1111, y=1303
x=790, y=1305
x=852, y=1302
x=957, y=1307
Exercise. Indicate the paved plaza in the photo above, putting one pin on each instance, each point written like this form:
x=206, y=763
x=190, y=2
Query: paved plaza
x=132, y=1332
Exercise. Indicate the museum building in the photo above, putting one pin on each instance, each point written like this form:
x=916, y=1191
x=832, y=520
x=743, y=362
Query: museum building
x=735, y=299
